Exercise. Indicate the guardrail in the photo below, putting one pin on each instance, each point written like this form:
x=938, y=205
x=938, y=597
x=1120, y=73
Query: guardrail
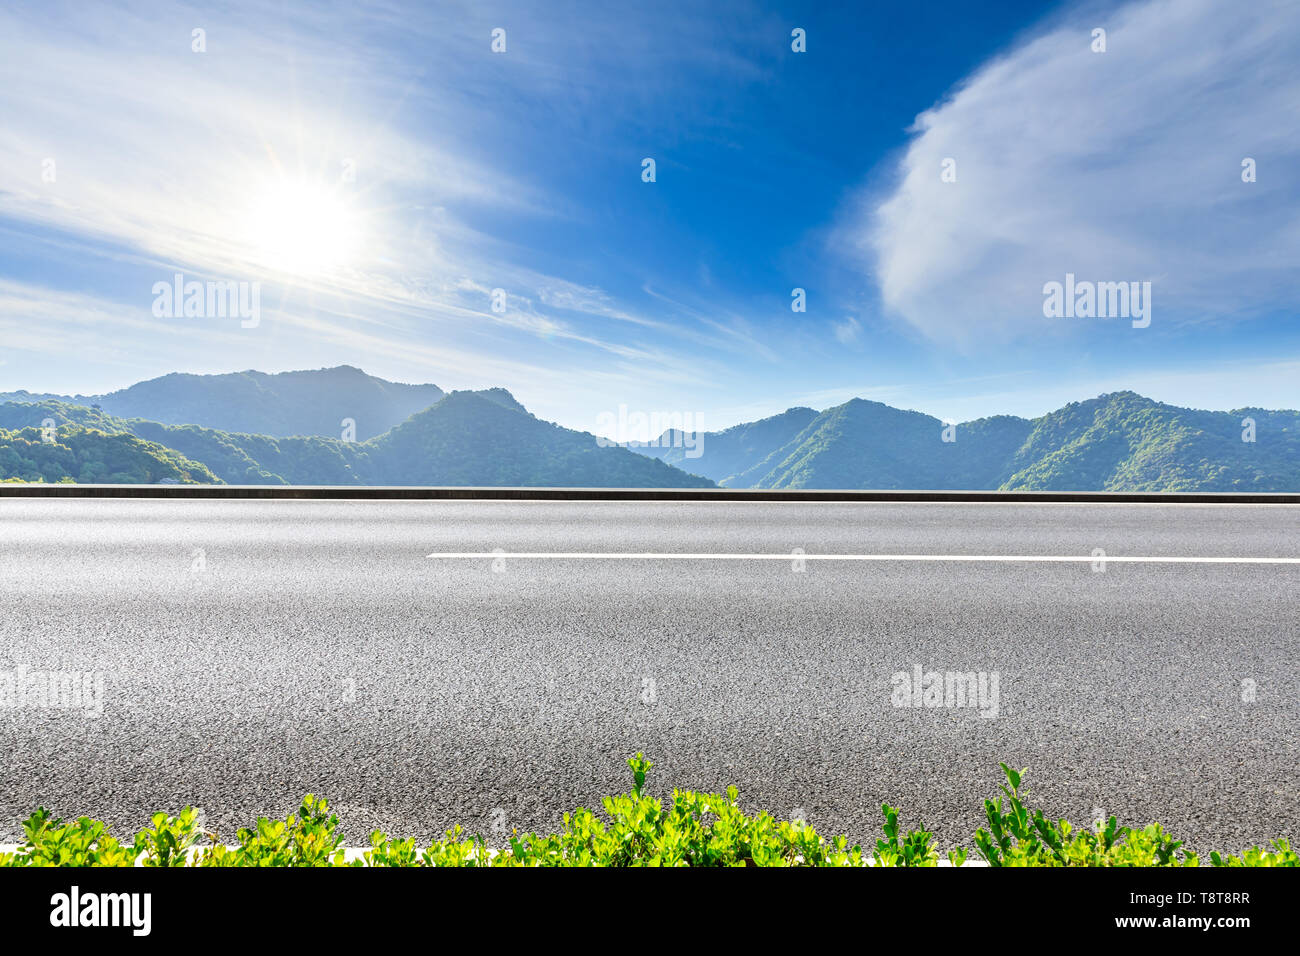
x=393, y=493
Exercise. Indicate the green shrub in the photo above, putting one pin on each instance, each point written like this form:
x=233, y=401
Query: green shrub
x=1018, y=836
x=694, y=829
x=310, y=838
x=51, y=842
x=1280, y=855
x=167, y=843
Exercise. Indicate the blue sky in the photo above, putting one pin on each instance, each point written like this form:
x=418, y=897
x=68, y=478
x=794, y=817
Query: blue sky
x=411, y=170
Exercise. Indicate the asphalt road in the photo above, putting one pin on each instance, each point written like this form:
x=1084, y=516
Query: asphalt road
x=251, y=651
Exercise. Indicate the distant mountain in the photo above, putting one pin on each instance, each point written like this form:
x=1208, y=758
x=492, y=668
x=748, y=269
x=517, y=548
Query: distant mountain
x=467, y=438
x=721, y=456
x=1117, y=442
x=279, y=405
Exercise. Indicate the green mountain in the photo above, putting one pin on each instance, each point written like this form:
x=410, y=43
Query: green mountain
x=80, y=454
x=288, y=403
x=473, y=438
x=466, y=438
x=863, y=444
x=1117, y=442
x=1123, y=441
x=261, y=459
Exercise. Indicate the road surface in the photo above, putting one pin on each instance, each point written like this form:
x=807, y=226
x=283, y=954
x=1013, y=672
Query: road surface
x=247, y=652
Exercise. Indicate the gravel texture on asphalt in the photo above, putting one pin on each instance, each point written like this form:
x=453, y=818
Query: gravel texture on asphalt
x=252, y=651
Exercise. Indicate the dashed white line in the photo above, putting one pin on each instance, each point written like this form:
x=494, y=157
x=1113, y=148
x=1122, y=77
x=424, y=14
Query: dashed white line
x=731, y=556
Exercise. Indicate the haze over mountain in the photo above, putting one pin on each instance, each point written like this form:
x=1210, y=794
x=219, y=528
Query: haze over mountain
x=309, y=402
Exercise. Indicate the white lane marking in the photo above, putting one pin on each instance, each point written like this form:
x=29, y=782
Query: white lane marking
x=682, y=556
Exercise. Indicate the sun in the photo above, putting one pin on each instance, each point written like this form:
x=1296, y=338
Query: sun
x=303, y=228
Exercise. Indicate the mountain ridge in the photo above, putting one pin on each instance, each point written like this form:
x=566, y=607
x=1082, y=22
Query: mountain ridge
x=465, y=438
x=278, y=404
x=1118, y=441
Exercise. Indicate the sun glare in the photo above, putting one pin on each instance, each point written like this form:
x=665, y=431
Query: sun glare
x=303, y=228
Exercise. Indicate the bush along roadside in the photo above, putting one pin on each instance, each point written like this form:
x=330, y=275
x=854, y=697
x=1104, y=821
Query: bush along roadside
x=694, y=829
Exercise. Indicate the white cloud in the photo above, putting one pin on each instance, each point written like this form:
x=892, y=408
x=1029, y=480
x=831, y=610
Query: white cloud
x=847, y=331
x=1115, y=166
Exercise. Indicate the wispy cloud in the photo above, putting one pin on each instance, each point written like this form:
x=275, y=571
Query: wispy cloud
x=847, y=332
x=1115, y=166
